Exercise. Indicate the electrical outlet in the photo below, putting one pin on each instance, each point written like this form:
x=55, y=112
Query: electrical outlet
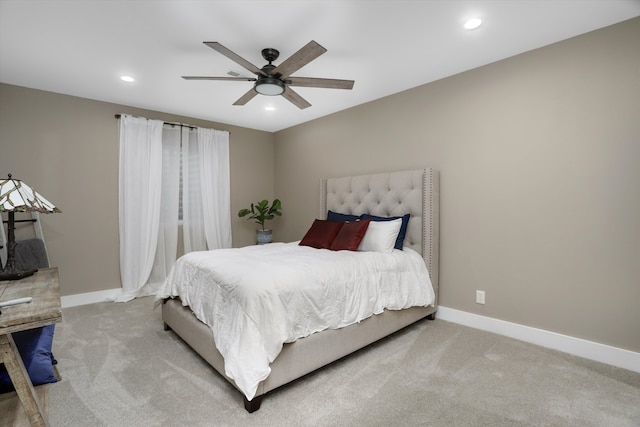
x=480, y=297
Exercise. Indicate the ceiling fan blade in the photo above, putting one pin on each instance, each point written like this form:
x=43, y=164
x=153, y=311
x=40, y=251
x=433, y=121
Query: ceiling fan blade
x=246, y=97
x=299, y=59
x=295, y=98
x=246, y=79
x=235, y=57
x=323, y=83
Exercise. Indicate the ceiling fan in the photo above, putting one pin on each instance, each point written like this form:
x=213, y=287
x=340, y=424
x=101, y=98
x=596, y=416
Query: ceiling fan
x=275, y=80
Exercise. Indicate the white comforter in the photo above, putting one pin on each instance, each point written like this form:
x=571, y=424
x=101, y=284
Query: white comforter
x=257, y=298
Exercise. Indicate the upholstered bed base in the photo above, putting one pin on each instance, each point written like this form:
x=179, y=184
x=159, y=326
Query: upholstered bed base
x=298, y=358
x=389, y=194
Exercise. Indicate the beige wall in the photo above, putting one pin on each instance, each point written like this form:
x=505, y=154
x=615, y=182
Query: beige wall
x=539, y=158
x=67, y=149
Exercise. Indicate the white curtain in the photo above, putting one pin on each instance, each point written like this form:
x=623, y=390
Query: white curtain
x=153, y=158
x=167, y=248
x=192, y=206
x=206, y=206
x=215, y=186
x=140, y=178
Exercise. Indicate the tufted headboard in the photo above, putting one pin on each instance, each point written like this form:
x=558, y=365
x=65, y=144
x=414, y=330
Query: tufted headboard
x=392, y=194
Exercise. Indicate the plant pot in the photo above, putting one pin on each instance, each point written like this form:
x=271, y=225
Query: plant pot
x=263, y=236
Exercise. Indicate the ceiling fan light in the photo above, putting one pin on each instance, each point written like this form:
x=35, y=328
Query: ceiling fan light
x=269, y=86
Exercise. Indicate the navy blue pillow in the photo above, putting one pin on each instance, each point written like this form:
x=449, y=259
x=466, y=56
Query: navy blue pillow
x=335, y=216
x=403, y=228
x=34, y=346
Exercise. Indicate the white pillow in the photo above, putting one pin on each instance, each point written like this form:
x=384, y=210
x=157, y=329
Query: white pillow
x=381, y=236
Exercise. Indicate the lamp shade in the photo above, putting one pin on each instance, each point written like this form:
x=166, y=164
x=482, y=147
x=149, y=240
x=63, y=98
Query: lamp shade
x=16, y=196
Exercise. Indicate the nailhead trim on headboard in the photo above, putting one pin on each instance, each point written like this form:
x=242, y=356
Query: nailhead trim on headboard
x=323, y=199
x=426, y=197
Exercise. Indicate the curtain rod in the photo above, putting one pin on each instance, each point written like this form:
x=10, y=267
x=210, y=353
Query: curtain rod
x=175, y=124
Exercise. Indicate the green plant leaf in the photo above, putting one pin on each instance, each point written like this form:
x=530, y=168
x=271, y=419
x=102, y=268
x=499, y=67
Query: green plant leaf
x=261, y=211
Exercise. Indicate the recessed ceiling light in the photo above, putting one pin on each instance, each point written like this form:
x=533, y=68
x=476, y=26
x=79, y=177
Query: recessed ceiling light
x=473, y=23
x=128, y=79
x=270, y=108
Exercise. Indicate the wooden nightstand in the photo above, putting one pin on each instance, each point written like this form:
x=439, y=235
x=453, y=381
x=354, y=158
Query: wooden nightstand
x=45, y=309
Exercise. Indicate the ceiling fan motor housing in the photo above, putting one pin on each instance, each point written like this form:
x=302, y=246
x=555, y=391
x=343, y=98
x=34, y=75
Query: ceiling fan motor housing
x=270, y=54
x=269, y=84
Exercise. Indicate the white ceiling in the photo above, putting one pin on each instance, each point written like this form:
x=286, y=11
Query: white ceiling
x=81, y=48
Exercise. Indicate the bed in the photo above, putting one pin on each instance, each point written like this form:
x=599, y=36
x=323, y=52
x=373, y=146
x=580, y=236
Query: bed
x=393, y=194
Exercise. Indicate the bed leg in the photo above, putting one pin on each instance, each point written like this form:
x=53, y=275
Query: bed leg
x=254, y=404
x=432, y=316
x=167, y=327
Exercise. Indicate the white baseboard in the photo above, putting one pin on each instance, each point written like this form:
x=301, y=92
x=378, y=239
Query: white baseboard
x=578, y=347
x=90, y=297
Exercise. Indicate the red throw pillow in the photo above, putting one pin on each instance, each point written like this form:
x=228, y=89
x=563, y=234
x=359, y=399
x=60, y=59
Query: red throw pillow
x=321, y=234
x=350, y=235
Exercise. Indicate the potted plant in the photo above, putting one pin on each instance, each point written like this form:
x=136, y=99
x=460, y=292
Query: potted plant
x=261, y=212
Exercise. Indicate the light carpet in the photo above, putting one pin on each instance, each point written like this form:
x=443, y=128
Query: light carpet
x=120, y=368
